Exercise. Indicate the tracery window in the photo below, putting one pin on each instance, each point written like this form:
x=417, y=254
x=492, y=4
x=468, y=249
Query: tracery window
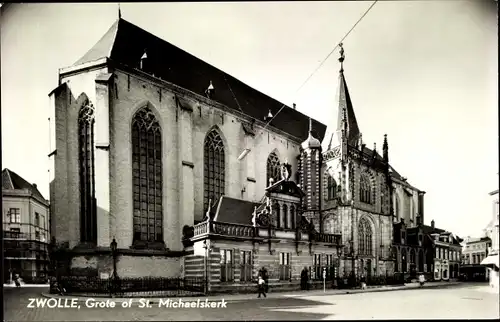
x=365, y=189
x=88, y=205
x=147, y=177
x=397, y=209
x=273, y=168
x=214, y=168
x=331, y=186
x=365, y=236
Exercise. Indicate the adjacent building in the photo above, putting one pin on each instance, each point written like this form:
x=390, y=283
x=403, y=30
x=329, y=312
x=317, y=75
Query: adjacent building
x=475, y=250
x=194, y=173
x=25, y=229
x=492, y=231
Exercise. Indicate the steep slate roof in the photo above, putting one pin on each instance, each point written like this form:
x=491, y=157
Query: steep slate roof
x=125, y=43
x=13, y=181
x=234, y=211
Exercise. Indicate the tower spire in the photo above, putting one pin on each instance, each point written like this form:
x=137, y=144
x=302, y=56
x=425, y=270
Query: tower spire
x=310, y=125
x=119, y=12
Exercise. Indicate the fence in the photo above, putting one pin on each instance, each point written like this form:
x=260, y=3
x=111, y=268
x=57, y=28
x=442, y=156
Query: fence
x=128, y=287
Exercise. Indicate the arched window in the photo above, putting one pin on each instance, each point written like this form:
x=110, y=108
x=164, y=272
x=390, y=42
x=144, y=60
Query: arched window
x=214, y=168
x=365, y=189
x=147, y=177
x=286, y=223
x=397, y=210
x=331, y=186
x=412, y=256
x=365, y=236
x=293, y=217
x=88, y=206
x=277, y=214
x=421, y=261
x=396, y=264
x=404, y=268
x=273, y=168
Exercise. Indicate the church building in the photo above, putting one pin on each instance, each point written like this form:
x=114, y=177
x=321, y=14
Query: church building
x=195, y=174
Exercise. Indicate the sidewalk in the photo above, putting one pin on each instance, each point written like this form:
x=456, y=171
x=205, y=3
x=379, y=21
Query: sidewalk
x=230, y=298
x=26, y=285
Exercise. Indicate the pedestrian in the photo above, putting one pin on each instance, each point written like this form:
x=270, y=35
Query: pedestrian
x=265, y=277
x=421, y=280
x=303, y=279
x=261, y=285
x=363, y=282
x=17, y=281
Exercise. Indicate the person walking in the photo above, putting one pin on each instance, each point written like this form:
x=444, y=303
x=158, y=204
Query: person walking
x=304, y=279
x=17, y=280
x=261, y=284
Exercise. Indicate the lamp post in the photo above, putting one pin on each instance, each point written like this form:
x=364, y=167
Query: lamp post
x=114, y=277
x=114, y=247
x=206, y=246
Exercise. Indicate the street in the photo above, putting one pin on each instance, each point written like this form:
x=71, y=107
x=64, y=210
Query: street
x=464, y=301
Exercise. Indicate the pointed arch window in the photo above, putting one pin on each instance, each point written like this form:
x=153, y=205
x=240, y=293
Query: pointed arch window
x=88, y=205
x=286, y=222
x=147, y=177
x=277, y=214
x=365, y=189
x=397, y=209
x=365, y=236
x=273, y=167
x=331, y=186
x=214, y=167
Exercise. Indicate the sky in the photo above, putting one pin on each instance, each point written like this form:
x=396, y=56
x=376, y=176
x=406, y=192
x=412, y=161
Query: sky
x=422, y=72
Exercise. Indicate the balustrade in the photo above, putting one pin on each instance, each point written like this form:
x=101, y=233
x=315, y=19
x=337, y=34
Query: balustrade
x=329, y=238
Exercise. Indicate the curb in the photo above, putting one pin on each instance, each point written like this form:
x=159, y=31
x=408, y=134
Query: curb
x=277, y=295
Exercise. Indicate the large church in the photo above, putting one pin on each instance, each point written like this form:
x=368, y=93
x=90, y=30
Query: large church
x=195, y=174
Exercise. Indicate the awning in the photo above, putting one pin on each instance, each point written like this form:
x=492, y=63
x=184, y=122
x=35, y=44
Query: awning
x=491, y=260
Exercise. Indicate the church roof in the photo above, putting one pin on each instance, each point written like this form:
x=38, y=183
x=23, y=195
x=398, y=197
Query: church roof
x=234, y=211
x=13, y=181
x=126, y=43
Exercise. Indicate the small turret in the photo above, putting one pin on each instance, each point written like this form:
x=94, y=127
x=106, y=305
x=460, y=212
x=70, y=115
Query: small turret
x=311, y=142
x=385, y=149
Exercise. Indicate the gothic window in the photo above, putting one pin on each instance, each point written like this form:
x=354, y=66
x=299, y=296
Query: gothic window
x=397, y=210
x=286, y=219
x=277, y=215
x=331, y=186
x=88, y=213
x=365, y=189
x=273, y=168
x=147, y=177
x=365, y=236
x=214, y=168
x=404, y=267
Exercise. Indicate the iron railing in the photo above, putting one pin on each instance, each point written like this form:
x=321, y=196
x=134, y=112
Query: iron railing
x=128, y=287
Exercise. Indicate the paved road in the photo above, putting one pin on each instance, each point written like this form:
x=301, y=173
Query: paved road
x=466, y=301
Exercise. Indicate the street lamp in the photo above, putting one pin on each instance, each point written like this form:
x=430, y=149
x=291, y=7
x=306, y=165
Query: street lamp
x=206, y=246
x=114, y=247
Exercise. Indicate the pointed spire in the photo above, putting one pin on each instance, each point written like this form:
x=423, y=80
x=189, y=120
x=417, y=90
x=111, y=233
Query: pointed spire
x=385, y=149
x=310, y=125
x=119, y=12
x=346, y=119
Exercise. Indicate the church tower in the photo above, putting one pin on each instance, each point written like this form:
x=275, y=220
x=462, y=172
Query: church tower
x=310, y=165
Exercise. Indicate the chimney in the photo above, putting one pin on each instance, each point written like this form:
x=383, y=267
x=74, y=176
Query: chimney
x=432, y=223
x=34, y=185
x=294, y=106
